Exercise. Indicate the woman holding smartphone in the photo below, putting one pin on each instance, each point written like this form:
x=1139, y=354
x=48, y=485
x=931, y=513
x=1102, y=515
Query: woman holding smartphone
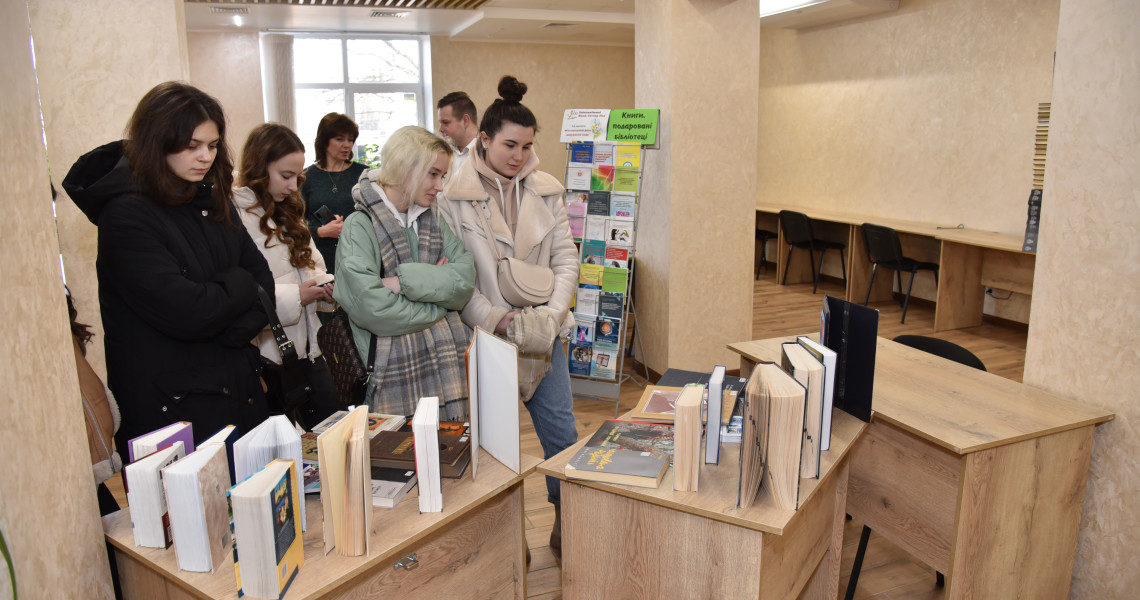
x=178, y=274
x=327, y=189
x=271, y=209
x=503, y=206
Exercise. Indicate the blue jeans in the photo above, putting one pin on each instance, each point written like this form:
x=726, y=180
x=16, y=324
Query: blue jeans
x=552, y=411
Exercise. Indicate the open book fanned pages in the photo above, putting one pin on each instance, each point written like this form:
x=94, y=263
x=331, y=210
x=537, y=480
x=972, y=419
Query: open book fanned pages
x=808, y=371
x=687, y=439
x=196, y=500
x=150, y=522
x=777, y=418
x=276, y=437
x=346, y=489
x=268, y=545
x=625, y=452
x=425, y=429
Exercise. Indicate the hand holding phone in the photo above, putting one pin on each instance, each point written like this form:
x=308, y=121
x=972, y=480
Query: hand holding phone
x=324, y=214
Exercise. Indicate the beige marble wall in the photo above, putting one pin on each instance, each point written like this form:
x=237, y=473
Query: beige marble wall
x=558, y=77
x=48, y=512
x=94, y=60
x=926, y=113
x=698, y=61
x=1088, y=270
x=228, y=67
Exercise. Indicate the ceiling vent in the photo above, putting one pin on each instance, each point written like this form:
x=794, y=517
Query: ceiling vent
x=810, y=13
x=389, y=14
x=229, y=10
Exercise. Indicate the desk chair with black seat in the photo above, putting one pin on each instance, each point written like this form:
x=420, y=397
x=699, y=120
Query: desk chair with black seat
x=798, y=234
x=884, y=249
x=762, y=237
x=937, y=347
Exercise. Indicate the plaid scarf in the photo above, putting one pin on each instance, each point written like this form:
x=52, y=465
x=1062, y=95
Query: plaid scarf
x=424, y=363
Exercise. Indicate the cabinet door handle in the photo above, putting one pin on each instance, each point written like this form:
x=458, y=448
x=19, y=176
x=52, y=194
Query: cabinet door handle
x=408, y=563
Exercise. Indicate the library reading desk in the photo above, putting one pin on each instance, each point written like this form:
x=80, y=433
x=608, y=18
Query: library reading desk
x=980, y=477
x=473, y=549
x=969, y=261
x=630, y=542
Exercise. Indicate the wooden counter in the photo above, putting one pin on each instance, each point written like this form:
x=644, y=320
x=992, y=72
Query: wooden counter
x=473, y=549
x=631, y=542
x=980, y=477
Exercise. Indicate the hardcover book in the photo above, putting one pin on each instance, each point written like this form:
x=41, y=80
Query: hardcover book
x=396, y=450
x=851, y=330
x=808, y=371
x=425, y=430
x=345, y=488
x=150, y=520
x=624, y=452
x=268, y=547
x=826, y=356
x=196, y=500
x=147, y=443
x=389, y=486
x=687, y=438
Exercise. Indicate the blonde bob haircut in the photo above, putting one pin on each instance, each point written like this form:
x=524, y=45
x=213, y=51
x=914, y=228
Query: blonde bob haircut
x=407, y=157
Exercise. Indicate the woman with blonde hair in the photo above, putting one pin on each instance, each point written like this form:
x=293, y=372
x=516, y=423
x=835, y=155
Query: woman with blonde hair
x=273, y=213
x=402, y=275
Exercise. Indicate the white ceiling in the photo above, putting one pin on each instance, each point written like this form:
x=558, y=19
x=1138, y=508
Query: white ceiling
x=597, y=22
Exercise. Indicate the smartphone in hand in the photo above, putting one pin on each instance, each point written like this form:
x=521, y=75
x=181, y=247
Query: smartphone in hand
x=324, y=214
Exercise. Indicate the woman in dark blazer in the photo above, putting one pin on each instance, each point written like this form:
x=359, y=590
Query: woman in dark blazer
x=178, y=274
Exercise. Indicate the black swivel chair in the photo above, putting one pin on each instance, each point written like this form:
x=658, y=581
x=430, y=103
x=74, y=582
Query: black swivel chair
x=798, y=233
x=762, y=237
x=937, y=347
x=885, y=250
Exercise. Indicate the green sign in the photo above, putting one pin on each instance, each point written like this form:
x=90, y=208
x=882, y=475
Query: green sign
x=633, y=125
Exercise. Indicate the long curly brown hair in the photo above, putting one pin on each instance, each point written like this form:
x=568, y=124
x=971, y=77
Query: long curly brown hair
x=266, y=144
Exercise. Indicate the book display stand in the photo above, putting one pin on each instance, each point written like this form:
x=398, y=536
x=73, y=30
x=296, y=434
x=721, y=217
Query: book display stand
x=605, y=156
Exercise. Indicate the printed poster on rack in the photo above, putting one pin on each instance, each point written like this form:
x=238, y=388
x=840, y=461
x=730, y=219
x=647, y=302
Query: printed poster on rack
x=584, y=125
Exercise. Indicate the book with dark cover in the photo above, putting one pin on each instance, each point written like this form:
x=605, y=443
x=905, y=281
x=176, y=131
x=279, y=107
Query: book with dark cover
x=389, y=486
x=598, y=203
x=396, y=450
x=625, y=452
x=851, y=330
x=610, y=304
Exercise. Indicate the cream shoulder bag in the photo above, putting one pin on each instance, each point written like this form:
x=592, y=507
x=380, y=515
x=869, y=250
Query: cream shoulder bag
x=521, y=283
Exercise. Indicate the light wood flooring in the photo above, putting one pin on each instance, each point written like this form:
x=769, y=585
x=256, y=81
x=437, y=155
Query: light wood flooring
x=888, y=573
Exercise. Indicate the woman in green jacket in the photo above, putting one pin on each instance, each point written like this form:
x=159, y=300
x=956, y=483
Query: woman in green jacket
x=402, y=275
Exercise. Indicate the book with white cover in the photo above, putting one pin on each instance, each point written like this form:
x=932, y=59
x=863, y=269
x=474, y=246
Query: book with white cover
x=196, y=499
x=389, y=486
x=712, y=430
x=425, y=429
x=268, y=547
x=493, y=390
x=828, y=357
x=146, y=497
x=276, y=437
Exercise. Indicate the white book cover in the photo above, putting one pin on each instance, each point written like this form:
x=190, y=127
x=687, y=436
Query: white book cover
x=146, y=496
x=619, y=232
x=587, y=302
x=578, y=177
x=828, y=357
x=595, y=227
x=604, y=154
x=425, y=430
x=196, y=500
x=493, y=390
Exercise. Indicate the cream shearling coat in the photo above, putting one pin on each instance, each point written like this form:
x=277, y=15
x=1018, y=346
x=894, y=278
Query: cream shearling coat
x=299, y=322
x=542, y=237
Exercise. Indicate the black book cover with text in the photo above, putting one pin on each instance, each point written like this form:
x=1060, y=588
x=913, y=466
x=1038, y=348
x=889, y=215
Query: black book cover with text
x=852, y=330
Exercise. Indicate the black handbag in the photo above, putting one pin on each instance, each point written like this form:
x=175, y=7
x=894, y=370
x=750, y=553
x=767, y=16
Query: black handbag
x=350, y=374
x=287, y=384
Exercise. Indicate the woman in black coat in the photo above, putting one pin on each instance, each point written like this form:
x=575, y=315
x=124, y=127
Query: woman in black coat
x=178, y=274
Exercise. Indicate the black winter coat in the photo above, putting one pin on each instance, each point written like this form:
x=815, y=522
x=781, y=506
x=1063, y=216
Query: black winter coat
x=178, y=295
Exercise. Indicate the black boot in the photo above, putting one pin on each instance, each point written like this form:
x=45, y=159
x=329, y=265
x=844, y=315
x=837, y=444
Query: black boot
x=556, y=535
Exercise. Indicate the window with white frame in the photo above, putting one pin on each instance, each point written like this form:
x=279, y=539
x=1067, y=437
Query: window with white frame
x=381, y=82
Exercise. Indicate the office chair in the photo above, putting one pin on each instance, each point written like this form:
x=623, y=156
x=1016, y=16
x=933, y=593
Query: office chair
x=762, y=237
x=937, y=347
x=884, y=249
x=798, y=233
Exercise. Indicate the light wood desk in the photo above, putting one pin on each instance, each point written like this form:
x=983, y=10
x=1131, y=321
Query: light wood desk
x=980, y=477
x=969, y=261
x=630, y=542
x=473, y=549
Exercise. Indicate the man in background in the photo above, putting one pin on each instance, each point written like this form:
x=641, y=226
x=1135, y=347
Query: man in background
x=459, y=123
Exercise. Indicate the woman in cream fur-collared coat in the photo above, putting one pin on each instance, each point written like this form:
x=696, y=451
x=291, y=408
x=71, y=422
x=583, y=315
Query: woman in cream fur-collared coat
x=271, y=165
x=501, y=189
